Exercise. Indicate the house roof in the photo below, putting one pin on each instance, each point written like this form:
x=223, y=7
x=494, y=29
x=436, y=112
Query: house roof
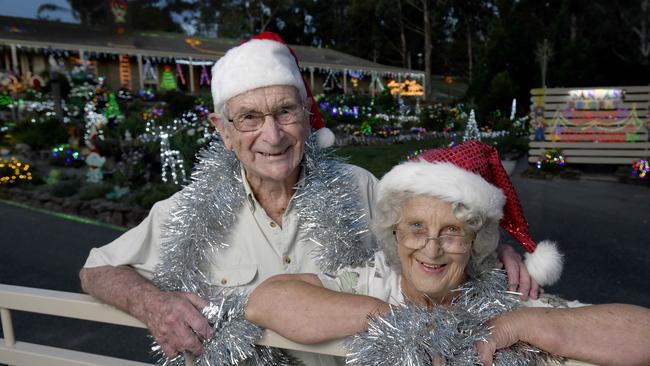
x=43, y=34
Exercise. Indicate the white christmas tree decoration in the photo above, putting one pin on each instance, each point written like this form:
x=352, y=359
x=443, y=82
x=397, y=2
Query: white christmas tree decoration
x=471, y=131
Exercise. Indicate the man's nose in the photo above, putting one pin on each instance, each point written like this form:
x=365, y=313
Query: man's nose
x=271, y=129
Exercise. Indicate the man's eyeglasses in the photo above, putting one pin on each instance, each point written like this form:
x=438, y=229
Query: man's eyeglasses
x=252, y=121
x=452, y=244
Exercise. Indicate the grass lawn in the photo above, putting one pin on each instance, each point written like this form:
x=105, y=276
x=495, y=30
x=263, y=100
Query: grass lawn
x=378, y=159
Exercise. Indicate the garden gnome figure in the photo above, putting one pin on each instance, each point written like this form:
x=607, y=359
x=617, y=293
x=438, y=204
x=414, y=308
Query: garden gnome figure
x=95, y=163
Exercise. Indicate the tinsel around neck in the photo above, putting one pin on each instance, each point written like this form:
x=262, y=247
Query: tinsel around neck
x=413, y=335
x=327, y=203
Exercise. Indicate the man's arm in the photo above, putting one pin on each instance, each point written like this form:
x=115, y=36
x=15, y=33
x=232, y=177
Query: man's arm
x=610, y=334
x=299, y=308
x=518, y=277
x=173, y=318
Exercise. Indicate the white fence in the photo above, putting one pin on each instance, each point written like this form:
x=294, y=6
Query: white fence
x=80, y=306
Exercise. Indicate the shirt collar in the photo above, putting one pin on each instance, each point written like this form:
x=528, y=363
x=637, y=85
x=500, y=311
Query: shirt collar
x=251, y=201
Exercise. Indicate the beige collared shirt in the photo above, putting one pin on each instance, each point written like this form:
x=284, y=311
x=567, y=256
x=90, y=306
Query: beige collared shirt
x=259, y=247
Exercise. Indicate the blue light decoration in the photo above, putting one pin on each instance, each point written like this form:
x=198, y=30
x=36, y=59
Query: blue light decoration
x=66, y=154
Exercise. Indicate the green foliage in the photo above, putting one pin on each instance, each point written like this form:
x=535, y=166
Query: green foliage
x=177, y=101
x=91, y=191
x=65, y=188
x=379, y=159
x=41, y=135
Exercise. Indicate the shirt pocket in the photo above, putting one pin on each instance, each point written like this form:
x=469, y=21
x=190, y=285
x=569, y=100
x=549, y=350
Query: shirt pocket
x=234, y=276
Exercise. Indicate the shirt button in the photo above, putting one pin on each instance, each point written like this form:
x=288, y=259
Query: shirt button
x=273, y=224
x=224, y=281
x=287, y=259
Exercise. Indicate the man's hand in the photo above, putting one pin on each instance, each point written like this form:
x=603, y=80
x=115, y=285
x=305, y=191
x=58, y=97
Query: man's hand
x=519, y=279
x=175, y=321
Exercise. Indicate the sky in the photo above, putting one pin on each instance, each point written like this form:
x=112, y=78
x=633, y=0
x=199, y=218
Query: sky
x=29, y=8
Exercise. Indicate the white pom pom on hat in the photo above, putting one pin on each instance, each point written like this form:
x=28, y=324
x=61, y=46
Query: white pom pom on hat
x=265, y=60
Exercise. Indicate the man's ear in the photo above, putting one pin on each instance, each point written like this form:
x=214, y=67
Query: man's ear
x=220, y=125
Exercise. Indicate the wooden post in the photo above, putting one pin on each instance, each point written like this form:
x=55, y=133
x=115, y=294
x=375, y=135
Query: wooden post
x=14, y=59
x=311, y=79
x=7, y=62
x=345, y=81
x=191, y=76
x=7, y=328
x=140, y=76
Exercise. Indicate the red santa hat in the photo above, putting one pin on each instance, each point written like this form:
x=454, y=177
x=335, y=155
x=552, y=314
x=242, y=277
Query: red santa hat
x=264, y=60
x=471, y=173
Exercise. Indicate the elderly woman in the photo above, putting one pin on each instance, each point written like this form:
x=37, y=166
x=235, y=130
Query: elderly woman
x=438, y=224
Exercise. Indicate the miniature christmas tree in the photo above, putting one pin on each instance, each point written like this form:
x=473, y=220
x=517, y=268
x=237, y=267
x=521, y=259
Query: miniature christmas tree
x=471, y=131
x=112, y=109
x=168, y=80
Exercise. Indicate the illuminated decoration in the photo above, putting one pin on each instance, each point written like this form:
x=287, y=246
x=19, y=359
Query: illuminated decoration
x=112, y=110
x=355, y=82
x=471, y=131
x=147, y=94
x=513, y=109
x=6, y=100
x=119, y=9
x=412, y=154
x=168, y=80
x=596, y=99
x=12, y=171
x=331, y=82
x=597, y=126
x=641, y=168
x=552, y=160
x=94, y=125
x=205, y=77
x=201, y=108
x=155, y=112
x=125, y=72
x=179, y=73
x=124, y=94
x=407, y=88
x=149, y=73
x=171, y=160
x=95, y=163
x=375, y=83
x=196, y=44
x=9, y=83
x=67, y=154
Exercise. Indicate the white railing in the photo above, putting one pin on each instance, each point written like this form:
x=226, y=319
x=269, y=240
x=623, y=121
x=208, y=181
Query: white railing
x=80, y=306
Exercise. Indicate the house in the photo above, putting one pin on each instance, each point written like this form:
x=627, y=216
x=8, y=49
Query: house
x=137, y=60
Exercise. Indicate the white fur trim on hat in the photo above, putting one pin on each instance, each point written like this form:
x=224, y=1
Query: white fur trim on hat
x=325, y=137
x=545, y=263
x=254, y=64
x=448, y=182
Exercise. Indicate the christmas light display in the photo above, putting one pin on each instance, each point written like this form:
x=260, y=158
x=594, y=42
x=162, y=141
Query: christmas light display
x=641, y=168
x=168, y=80
x=13, y=171
x=66, y=154
x=205, y=77
x=552, y=160
x=179, y=73
x=171, y=160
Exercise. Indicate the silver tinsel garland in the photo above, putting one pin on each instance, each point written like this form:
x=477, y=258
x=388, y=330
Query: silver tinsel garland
x=330, y=216
x=412, y=335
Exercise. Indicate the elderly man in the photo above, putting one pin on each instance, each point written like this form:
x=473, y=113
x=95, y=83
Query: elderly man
x=263, y=201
